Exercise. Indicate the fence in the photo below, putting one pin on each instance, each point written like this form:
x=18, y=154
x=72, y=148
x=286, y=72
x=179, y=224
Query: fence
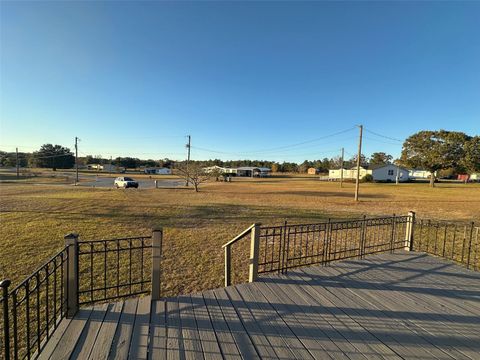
x=279, y=248
x=87, y=272
x=84, y=272
x=453, y=241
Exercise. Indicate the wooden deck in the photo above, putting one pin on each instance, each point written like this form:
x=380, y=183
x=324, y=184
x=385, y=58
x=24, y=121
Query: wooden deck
x=389, y=306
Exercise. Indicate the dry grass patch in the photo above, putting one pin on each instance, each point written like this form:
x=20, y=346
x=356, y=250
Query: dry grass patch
x=35, y=218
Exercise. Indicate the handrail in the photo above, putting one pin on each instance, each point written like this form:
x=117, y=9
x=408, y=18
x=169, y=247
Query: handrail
x=228, y=251
x=241, y=235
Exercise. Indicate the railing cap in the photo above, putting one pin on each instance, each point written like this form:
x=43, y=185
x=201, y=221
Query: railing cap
x=241, y=235
x=5, y=283
x=72, y=235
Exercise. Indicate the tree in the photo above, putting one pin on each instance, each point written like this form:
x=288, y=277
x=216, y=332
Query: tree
x=380, y=158
x=127, y=162
x=303, y=167
x=470, y=161
x=434, y=150
x=194, y=173
x=53, y=156
x=353, y=161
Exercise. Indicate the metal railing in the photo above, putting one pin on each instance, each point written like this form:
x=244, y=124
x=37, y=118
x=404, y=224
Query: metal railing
x=283, y=247
x=454, y=241
x=33, y=310
x=115, y=268
x=84, y=272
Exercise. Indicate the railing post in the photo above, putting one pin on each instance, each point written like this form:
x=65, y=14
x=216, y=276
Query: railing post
x=6, y=323
x=409, y=231
x=228, y=265
x=70, y=274
x=362, y=237
x=470, y=244
x=254, y=251
x=157, y=238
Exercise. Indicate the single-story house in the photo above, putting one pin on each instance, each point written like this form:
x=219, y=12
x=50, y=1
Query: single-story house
x=158, y=171
x=221, y=170
x=313, y=171
x=100, y=167
x=418, y=174
x=386, y=172
x=389, y=172
x=247, y=171
x=348, y=173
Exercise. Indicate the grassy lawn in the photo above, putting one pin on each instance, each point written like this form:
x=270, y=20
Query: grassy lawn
x=34, y=219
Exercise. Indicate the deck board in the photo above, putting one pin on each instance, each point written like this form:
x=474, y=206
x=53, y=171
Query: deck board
x=387, y=306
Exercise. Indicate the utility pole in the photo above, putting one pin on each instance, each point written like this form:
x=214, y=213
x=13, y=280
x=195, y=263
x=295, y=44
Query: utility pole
x=188, y=156
x=396, y=177
x=111, y=165
x=76, y=160
x=357, y=182
x=341, y=171
x=17, y=164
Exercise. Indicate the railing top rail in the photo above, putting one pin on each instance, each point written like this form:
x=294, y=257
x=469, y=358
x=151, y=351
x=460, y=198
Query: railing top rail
x=337, y=221
x=445, y=222
x=38, y=269
x=241, y=235
x=117, y=239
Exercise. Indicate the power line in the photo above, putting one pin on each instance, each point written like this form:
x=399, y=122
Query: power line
x=285, y=147
x=381, y=141
x=384, y=136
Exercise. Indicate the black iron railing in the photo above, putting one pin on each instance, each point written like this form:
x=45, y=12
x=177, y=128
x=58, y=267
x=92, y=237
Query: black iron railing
x=32, y=310
x=454, y=241
x=290, y=246
x=115, y=268
x=287, y=246
x=84, y=272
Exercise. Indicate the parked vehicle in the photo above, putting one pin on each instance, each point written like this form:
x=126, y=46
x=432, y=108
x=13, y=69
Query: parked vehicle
x=125, y=182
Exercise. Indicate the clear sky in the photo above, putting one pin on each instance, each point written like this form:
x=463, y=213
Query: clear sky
x=245, y=80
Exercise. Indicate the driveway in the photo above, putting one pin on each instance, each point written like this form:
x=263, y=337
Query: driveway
x=107, y=182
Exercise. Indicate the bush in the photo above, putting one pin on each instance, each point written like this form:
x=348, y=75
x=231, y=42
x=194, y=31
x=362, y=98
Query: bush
x=367, y=178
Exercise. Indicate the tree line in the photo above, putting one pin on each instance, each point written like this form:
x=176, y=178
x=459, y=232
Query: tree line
x=448, y=151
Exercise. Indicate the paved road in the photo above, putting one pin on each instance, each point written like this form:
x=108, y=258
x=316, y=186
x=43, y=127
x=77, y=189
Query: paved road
x=107, y=182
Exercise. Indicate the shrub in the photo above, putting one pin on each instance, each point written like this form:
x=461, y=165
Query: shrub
x=367, y=178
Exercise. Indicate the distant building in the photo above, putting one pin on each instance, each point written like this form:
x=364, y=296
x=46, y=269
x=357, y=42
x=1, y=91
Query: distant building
x=418, y=174
x=474, y=177
x=252, y=171
x=348, y=173
x=158, y=171
x=386, y=172
x=102, y=167
x=389, y=172
x=245, y=171
x=313, y=171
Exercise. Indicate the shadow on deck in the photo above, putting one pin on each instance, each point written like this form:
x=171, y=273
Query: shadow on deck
x=388, y=306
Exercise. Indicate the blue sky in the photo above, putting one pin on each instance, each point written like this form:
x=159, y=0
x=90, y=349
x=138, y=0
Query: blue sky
x=245, y=80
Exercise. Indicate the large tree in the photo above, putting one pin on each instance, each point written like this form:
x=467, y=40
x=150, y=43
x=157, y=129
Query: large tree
x=434, y=150
x=380, y=158
x=53, y=156
x=470, y=161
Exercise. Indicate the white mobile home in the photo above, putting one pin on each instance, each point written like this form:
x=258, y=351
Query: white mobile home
x=418, y=174
x=389, y=172
x=100, y=167
x=158, y=171
x=348, y=173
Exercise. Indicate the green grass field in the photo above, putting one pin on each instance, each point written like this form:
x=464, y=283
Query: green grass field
x=34, y=218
